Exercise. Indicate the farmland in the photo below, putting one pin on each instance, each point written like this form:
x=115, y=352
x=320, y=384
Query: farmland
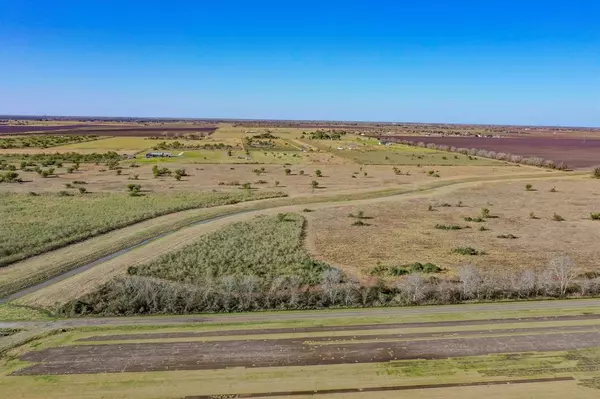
x=451, y=352
x=574, y=152
x=294, y=217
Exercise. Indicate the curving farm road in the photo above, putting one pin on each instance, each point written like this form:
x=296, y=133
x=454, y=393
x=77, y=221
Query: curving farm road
x=82, y=279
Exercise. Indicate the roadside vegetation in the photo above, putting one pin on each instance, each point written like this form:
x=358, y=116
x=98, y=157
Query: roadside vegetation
x=33, y=224
x=222, y=288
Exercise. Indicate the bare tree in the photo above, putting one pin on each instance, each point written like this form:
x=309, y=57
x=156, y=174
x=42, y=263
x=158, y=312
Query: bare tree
x=470, y=281
x=414, y=288
x=331, y=279
x=563, y=272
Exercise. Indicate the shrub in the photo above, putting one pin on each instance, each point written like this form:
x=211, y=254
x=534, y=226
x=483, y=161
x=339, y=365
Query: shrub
x=430, y=208
x=276, y=183
x=359, y=223
x=70, y=169
x=68, y=185
x=82, y=190
x=318, y=173
x=553, y=190
x=532, y=215
x=288, y=172
x=10, y=177
x=467, y=251
x=314, y=184
x=247, y=186
x=448, y=227
x=477, y=219
x=79, y=182
x=63, y=193
x=557, y=218
x=119, y=172
x=595, y=216
x=483, y=228
x=158, y=172
x=507, y=236
x=397, y=271
x=485, y=213
x=528, y=187
x=134, y=187
x=307, y=210
x=301, y=173
x=596, y=173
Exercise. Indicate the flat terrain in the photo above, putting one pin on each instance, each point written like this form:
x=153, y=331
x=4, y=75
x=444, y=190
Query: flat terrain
x=426, y=352
x=404, y=232
x=575, y=152
x=188, y=241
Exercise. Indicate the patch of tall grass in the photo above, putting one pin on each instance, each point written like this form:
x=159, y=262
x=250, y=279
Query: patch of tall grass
x=265, y=248
x=32, y=225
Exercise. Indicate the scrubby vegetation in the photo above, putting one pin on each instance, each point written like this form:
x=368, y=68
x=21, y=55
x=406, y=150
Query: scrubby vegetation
x=449, y=227
x=595, y=215
x=264, y=248
x=31, y=141
x=324, y=135
x=417, y=267
x=148, y=295
x=10, y=177
x=35, y=224
x=467, y=251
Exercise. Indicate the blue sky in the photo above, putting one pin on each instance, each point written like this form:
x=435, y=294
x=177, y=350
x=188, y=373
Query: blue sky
x=521, y=62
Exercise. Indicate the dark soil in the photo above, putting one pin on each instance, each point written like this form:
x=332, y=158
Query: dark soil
x=575, y=152
x=13, y=129
x=304, y=351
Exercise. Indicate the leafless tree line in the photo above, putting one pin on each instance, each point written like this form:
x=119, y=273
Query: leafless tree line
x=501, y=156
x=143, y=295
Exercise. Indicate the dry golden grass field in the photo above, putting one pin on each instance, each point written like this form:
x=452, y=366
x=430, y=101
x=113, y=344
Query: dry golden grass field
x=404, y=232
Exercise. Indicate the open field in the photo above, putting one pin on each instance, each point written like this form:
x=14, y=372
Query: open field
x=405, y=232
x=102, y=272
x=187, y=243
x=334, y=354
x=367, y=151
x=575, y=152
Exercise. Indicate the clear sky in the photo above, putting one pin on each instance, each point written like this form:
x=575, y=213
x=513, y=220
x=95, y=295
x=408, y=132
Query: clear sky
x=521, y=62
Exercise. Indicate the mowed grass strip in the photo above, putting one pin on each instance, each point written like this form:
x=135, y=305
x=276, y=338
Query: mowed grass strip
x=36, y=224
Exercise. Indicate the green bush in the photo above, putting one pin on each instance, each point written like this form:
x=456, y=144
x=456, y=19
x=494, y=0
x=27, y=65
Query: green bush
x=595, y=216
x=467, y=251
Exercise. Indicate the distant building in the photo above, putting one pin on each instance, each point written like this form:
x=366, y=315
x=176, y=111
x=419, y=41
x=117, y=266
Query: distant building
x=158, y=155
